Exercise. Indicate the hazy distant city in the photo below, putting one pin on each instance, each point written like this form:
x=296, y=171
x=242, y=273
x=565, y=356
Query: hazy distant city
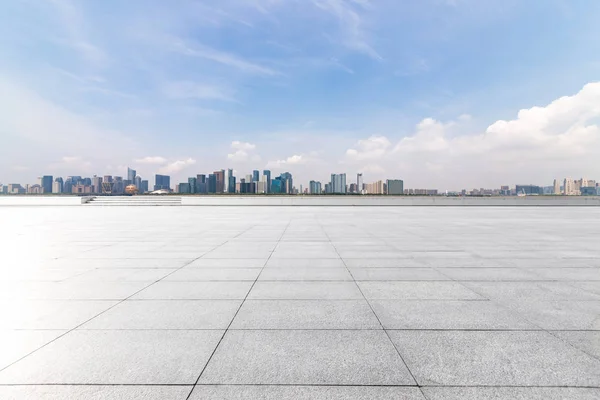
x=225, y=182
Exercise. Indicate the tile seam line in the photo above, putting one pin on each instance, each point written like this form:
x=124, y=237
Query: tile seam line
x=237, y=312
x=372, y=310
x=296, y=385
x=541, y=329
x=113, y=306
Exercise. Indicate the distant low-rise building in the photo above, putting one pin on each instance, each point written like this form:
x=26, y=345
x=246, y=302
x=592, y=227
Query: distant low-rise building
x=529, y=190
x=395, y=186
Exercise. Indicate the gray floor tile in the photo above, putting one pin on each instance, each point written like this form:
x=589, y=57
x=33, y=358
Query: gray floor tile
x=195, y=290
x=587, y=341
x=568, y=274
x=530, y=291
x=123, y=274
x=117, y=357
x=15, y=344
x=446, y=314
x=68, y=392
x=167, y=314
x=214, y=274
x=49, y=314
x=305, y=291
x=306, y=357
x=560, y=315
x=489, y=274
x=417, y=291
x=503, y=393
x=305, y=314
x=305, y=392
x=591, y=287
x=304, y=262
x=305, y=274
x=73, y=290
x=228, y=263
x=384, y=263
x=397, y=274
x=495, y=358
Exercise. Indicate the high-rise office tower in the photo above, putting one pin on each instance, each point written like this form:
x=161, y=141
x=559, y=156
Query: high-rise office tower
x=137, y=181
x=220, y=181
x=193, y=183
x=314, y=187
x=46, y=183
x=395, y=186
x=162, y=182
x=57, y=186
x=131, y=174
x=556, y=186
x=202, y=186
x=267, y=173
x=211, y=183
x=144, y=187
x=338, y=183
x=97, y=184
x=287, y=182
x=229, y=182
x=359, y=182
x=255, y=176
x=569, y=187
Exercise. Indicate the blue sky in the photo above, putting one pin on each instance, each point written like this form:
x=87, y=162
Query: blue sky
x=391, y=88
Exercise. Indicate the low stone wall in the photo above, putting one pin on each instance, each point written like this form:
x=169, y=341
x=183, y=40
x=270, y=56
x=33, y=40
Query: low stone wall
x=17, y=200
x=534, y=201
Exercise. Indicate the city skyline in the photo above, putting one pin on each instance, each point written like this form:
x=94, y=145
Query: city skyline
x=225, y=181
x=432, y=91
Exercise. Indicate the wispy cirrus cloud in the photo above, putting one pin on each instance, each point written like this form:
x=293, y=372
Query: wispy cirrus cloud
x=221, y=57
x=352, y=31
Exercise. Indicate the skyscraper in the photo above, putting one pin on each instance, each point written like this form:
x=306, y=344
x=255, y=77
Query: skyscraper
x=201, y=185
x=212, y=183
x=46, y=183
x=359, y=183
x=97, y=184
x=255, y=176
x=231, y=182
x=338, y=183
x=220, y=181
x=314, y=187
x=131, y=174
x=162, y=182
x=267, y=173
x=556, y=186
x=287, y=182
x=193, y=183
x=57, y=186
x=144, y=187
x=137, y=181
x=569, y=187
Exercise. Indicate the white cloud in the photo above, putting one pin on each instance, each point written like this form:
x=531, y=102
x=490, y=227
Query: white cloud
x=242, y=145
x=369, y=149
x=151, y=160
x=292, y=160
x=244, y=152
x=176, y=166
x=558, y=140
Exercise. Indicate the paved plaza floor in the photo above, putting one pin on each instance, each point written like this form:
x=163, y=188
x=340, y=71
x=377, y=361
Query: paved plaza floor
x=299, y=303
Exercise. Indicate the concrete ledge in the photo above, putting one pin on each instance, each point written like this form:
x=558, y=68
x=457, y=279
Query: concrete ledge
x=11, y=200
x=533, y=201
